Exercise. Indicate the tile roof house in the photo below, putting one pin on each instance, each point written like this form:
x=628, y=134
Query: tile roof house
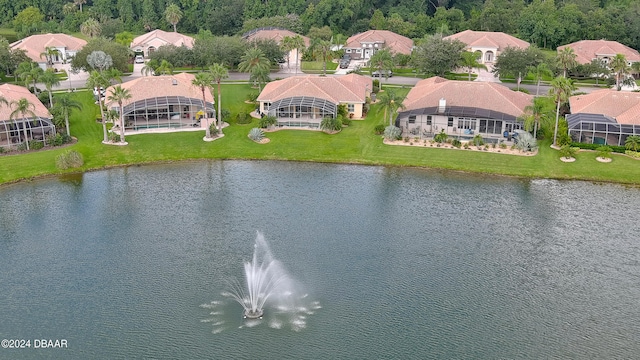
x=462, y=109
x=150, y=41
x=277, y=35
x=36, y=45
x=489, y=43
x=587, y=50
x=365, y=44
x=306, y=100
x=604, y=117
x=167, y=102
x=13, y=132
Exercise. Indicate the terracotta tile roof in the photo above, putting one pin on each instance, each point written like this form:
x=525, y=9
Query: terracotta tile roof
x=168, y=38
x=148, y=87
x=482, y=95
x=587, y=50
x=274, y=34
x=488, y=39
x=36, y=44
x=13, y=93
x=349, y=88
x=395, y=43
x=624, y=106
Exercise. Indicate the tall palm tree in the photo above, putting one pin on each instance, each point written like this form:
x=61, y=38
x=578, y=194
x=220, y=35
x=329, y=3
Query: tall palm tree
x=49, y=79
x=391, y=102
x=381, y=61
x=29, y=73
x=561, y=89
x=469, y=61
x=173, y=14
x=538, y=72
x=119, y=95
x=79, y=3
x=566, y=59
x=97, y=80
x=91, y=28
x=298, y=44
x=322, y=50
x=67, y=104
x=25, y=109
x=534, y=114
x=203, y=80
x=219, y=72
x=254, y=62
x=287, y=46
x=620, y=67
x=48, y=53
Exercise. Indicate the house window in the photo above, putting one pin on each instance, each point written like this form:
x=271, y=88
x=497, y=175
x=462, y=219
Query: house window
x=429, y=119
x=351, y=108
x=348, y=51
x=376, y=45
x=450, y=121
x=412, y=119
x=359, y=51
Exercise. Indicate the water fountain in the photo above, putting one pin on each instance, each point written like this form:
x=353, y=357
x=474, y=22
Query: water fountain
x=266, y=280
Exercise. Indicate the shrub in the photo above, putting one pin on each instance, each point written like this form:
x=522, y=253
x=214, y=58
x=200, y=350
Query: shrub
x=466, y=145
x=346, y=121
x=633, y=154
x=36, y=145
x=604, y=152
x=392, y=132
x=440, y=137
x=503, y=145
x=69, y=159
x=478, y=140
x=379, y=129
x=456, y=143
x=113, y=137
x=267, y=121
x=22, y=147
x=256, y=134
x=526, y=142
x=567, y=151
x=615, y=149
x=242, y=118
x=213, y=130
x=1, y=149
x=252, y=96
x=376, y=86
x=331, y=124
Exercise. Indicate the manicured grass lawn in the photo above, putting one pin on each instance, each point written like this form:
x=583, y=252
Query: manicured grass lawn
x=317, y=65
x=355, y=144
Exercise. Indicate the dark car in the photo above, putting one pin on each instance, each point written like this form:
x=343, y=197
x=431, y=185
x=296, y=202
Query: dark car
x=380, y=74
x=344, y=64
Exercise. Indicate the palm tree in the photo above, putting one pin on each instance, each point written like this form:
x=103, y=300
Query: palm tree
x=287, y=46
x=147, y=69
x=566, y=59
x=321, y=50
x=561, y=89
x=24, y=108
x=535, y=113
x=469, y=61
x=381, y=61
x=219, y=72
x=259, y=76
x=540, y=71
x=391, y=102
x=173, y=14
x=48, y=53
x=298, y=44
x=79, y=3
x=632, y=142
x=203, y=81
x=49, y=79
x=29, y=72
x=119, y=95
x=91, y=28
x=620, y=67
x=254, y=62
x=67, y=104
x=99, y=81
x=165, y=68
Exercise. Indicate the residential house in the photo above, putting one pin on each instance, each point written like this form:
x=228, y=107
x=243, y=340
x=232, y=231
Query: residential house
x=166, y=102
x=150, y=41
x=303, y=101
x=65, y=47
x=588, y=50
x=489, y=43
x=365, y=44
x=604, y=117
x=462, y=109
x=16, y=131
x=276, y=34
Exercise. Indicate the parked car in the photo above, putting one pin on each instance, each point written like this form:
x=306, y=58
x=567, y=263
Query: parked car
x=344, y=64
x=380, y=74
x=139, y=59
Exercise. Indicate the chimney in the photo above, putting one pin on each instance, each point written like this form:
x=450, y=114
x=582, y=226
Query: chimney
x=442, y=105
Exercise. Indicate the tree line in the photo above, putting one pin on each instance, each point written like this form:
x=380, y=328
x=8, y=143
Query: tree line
x=546, y=23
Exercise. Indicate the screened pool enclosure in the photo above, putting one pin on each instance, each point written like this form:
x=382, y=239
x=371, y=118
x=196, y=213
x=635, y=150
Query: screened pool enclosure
x=302, y=111
x=599, y=129
x=15, y=132
x=173, y=112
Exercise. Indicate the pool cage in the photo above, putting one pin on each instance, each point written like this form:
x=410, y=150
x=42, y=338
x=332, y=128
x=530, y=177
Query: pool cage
x=173, y=112
x=15, y=132
x=599, y=129
x=302, y=111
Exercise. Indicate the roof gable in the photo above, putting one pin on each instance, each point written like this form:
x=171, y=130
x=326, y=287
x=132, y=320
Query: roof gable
x=35, y=45
x=489, y=39
x=160, y=37
x=350, y=88
x=624, y=106
x=587, y=50
x=14, y=93
x=274, y=34
x=394, y=42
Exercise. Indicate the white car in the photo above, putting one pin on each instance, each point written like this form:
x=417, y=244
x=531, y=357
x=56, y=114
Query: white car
x=139, y=59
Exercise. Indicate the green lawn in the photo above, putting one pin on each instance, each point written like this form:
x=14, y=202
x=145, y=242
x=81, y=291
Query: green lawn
x=355, y=144
x=316, y=66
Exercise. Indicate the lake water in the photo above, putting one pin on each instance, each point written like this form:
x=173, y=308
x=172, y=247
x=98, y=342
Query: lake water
x=394, y=263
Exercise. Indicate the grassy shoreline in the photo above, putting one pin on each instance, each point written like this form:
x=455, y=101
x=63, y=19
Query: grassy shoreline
x=356, y=144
